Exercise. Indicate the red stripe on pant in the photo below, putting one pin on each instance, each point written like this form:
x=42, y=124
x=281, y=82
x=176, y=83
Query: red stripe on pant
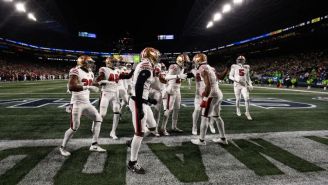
x=168, y=102
x=208, y=107
x=138, y=122
x=71, y=123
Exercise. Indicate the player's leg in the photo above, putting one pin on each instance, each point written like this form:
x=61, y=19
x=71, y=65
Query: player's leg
x=76, y=112
x=245, y=93
x=151, y=122
x=103, y=106
x=91, y=112
x=167, y=111
x=175, y=114
x=137, y=138
x=189, y=83
x=203, y=125
x=195, y=114
x=216, y=117
x=237, y=91
x=116, y=116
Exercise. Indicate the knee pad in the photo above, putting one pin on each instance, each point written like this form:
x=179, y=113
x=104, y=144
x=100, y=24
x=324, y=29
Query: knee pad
x=167, y=113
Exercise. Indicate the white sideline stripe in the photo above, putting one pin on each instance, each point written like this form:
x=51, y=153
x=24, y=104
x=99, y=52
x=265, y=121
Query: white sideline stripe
x=292, y=90
x=44, y=172
x=95, y=163
x=9, y=162
x=7, y=144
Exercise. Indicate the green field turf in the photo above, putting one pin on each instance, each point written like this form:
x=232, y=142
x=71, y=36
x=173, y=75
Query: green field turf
x=51, y=122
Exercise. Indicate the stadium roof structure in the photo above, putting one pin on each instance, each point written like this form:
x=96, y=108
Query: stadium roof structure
x=59, y=21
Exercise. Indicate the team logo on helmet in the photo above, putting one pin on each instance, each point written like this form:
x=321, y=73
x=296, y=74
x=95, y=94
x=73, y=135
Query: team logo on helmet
x=110, y=62
x=199, y=59
x=151, y=54
x=182, y=59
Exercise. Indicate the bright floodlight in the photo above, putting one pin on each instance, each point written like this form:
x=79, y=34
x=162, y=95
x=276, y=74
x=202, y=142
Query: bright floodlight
x=217, y=17
x=31, y=16
x=8, y=0
x=226, y=8
x=237, y=1
x=20, y=7
x=210, y=24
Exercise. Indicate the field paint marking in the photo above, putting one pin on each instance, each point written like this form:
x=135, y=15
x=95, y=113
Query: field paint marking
x=9, y=162
x=7, y=144
x=95, y=163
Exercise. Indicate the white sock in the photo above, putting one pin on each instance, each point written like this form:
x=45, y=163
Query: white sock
x=165, y=119
x=96, y=132
x=220, y=124
x=195, y=117
x=203, y=128
x=116, y=118
x=175, y=116
x=135, y=146
x=67, y=136
x=247, y=106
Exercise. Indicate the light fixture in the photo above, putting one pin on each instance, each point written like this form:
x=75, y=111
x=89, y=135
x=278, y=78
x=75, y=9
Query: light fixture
x=226, y=8
x=8, y=0
x=210, y=24
x=217, y=17
x=237, y=1
x=31, y=16
x=20, y=7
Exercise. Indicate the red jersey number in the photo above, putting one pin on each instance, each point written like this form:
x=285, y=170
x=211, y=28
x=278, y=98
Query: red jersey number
x=241, y=72
x=113, y=78
x=86, y=82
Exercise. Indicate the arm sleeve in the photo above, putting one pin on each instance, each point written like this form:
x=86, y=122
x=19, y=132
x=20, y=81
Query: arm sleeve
x=231, y=74
x=142, y=78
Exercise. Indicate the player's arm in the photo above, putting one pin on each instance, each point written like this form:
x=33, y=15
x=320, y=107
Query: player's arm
x=232, y=74
x=100, y=80
x=73, y=84
x=206, y=93
x=139, y=88
x=162, y=79
x=172, y=75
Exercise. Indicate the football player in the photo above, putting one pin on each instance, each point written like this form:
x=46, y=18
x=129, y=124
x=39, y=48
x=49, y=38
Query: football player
x=142, y=115
x=123, y=95
x=211, y=100
x=240, y=75
x=80, y=83
x=172, y=96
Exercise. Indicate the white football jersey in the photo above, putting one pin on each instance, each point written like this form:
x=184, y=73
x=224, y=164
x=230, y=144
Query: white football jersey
x=212, y=79
x=126, y=82
x=85, y=79
x=240, y=73
x=174, y=84
x=112, y=76
x=143, y=65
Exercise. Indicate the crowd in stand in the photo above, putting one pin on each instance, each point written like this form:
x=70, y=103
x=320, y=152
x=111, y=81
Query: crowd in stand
x=13, y=70
x=301, y=68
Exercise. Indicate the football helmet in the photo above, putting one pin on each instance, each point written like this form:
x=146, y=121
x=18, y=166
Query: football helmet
x=241, y=60
x=151, y=54
x=110, y=62
x=182, y=60
x=199, y=58
x=85, y=61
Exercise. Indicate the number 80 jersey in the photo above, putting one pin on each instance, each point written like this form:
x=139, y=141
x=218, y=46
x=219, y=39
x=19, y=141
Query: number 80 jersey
x=85, y=79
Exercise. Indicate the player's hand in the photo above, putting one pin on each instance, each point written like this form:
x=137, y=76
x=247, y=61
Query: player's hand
x=204, y=103
x=182, y=76
x=103, y=82
x=250, y=88
x=152, y=101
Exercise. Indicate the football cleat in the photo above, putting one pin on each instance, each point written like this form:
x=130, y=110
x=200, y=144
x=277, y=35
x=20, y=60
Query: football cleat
x=113, y=135
x=176, y=129
x=96, y=148
x=164, y=133
x=198, y=142
x=238, y=112
x=248, y=116
x=135, y=167
x=194, y=131
x=223, y=141
x=64, y=152
x=212, y=128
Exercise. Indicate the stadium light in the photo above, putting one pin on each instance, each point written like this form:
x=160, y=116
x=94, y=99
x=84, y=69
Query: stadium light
x=20, y=7
x=237, y=1
x=210, y=24
x=226, y=8
x=31, y=16
x=217, y=17
x=8, y=0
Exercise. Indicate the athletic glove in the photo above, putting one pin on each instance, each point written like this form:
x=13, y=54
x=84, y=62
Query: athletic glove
x=152, y=101
x=182, y=76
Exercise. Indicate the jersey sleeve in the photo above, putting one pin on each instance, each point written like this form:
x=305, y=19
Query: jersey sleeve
x=74, y=71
